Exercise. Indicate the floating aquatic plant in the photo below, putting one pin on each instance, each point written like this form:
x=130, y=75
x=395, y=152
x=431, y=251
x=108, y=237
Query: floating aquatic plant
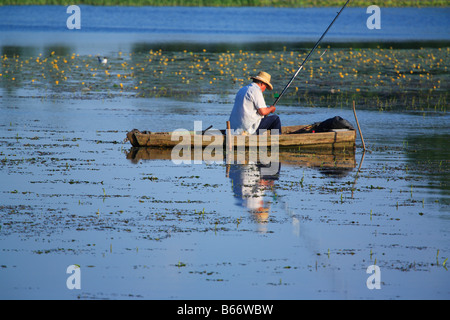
x=385, y=79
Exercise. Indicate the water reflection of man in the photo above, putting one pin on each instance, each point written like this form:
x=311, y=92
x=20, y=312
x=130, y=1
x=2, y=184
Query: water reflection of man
x=249, y=186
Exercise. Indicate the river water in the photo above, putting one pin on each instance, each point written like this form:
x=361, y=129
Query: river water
x=111, y=29
x=139, y=226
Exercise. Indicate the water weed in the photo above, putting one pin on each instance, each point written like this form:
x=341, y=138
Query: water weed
x=377, y=78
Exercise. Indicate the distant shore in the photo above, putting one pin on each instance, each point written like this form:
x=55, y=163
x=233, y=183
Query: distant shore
x=237, y=3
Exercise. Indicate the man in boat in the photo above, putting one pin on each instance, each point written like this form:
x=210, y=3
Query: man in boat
x=250, y=113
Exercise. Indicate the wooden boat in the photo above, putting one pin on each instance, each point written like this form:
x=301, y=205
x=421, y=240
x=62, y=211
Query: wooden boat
x=291, y=136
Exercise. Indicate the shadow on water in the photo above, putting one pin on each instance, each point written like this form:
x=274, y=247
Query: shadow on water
x=27, y=51
x=144, y=47
x=221, y=47
x=425, y=156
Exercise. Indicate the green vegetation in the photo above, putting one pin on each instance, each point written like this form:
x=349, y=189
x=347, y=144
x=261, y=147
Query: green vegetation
x=237, y=3
x=381, y=78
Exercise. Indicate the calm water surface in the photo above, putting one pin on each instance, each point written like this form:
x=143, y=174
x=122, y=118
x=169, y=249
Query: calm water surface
x=111, y=29
x=72, y=194
x=140, y=226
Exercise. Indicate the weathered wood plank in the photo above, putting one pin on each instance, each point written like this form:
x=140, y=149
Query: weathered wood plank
x=168, y=139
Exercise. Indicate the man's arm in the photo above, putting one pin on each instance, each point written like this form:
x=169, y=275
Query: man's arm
x=266, y=111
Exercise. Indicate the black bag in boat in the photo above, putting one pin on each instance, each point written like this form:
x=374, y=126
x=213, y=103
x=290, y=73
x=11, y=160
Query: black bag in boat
x=332, y=123
x=327, y=125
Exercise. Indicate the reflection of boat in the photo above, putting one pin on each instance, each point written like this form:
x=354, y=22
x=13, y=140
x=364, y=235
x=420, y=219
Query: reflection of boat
x=290, y=136
x=327, y=160
x=251, y=180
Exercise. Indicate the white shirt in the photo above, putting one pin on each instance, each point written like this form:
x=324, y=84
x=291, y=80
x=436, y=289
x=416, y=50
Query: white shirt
x=246, y=185
x=245, y=116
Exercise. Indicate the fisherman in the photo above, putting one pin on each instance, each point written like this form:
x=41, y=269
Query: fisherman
x=250, y=113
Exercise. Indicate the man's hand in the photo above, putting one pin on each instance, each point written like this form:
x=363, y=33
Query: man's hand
x=266, y=111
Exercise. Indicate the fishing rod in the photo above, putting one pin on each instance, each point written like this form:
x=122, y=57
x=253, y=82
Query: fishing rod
x=309, y=54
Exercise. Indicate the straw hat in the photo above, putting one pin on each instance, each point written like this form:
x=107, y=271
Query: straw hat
x=264, y=77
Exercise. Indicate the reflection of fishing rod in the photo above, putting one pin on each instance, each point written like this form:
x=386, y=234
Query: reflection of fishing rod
x=309, y=54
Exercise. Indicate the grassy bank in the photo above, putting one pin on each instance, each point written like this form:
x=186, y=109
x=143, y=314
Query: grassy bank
x=238, y=3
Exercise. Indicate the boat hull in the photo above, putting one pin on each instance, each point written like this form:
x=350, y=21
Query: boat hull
x=288, y=138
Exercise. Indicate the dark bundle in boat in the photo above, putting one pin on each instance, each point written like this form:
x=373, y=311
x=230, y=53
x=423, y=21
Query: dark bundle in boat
x=328, y=125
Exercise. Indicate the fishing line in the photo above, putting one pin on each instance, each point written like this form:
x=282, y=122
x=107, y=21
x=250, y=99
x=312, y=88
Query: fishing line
x=309, y=54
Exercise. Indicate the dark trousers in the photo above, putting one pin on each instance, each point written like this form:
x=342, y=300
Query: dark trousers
x=269, y=123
